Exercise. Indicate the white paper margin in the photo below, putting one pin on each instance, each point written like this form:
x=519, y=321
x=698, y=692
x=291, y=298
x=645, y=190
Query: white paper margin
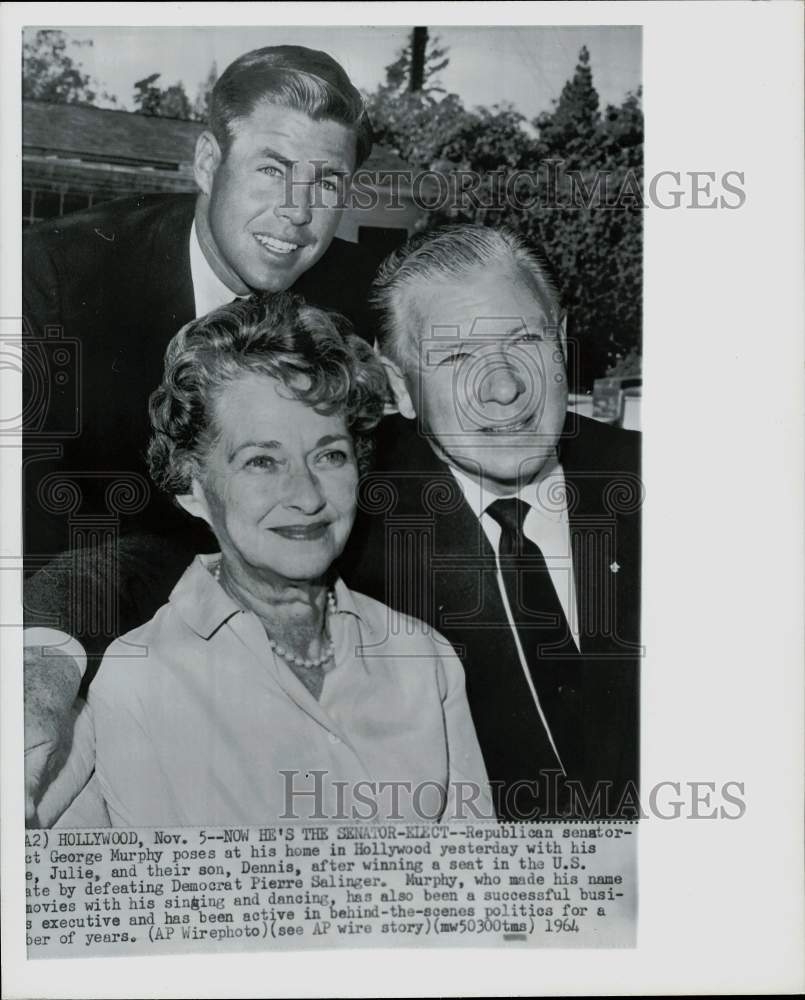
x=721, y=902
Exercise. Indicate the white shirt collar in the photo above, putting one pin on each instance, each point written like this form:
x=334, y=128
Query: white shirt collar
x=546, y=494
x=209, y=292
x=204, y=605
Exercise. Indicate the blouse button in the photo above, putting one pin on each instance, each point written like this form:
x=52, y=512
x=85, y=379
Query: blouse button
x=334, y=738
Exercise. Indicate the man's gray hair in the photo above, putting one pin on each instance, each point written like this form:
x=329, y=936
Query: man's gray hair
x=452, y=251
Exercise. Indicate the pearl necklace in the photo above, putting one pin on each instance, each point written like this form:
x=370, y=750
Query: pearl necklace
x=286, y=654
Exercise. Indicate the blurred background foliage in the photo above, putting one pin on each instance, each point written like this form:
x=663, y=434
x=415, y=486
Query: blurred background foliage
x=584, y=211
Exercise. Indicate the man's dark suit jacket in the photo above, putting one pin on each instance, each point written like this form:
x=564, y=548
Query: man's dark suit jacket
x=103, y=293
x=418, y=547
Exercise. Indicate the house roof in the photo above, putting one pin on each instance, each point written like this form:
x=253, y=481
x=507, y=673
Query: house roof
x=77, y=131
x=80, y=131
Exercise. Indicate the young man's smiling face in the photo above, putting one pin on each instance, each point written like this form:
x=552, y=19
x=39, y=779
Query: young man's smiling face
x=489, y=387
x=270, y=206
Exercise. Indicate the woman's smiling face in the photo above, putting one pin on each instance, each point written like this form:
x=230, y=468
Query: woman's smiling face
x=278, y=485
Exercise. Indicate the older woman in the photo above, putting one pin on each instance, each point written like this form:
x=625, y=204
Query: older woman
x=264, y=689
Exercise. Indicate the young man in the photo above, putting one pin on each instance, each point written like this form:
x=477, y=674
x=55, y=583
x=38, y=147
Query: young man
x=104, y=290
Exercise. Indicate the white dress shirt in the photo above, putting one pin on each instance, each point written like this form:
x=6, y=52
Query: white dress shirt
x=209, y=292
x=547, y=525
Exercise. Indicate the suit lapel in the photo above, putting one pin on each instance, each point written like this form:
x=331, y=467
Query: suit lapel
x=600, y=541
x=460, y=563
x=171, y=302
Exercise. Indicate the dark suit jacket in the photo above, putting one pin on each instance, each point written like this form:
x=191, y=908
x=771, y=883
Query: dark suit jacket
x=103, y=293
x=418, y=547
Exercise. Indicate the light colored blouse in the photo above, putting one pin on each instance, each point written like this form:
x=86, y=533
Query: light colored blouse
x=197, y=721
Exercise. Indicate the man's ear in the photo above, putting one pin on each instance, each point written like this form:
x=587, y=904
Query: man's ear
x=399, y=388
x=195, y=502
x=206, y=160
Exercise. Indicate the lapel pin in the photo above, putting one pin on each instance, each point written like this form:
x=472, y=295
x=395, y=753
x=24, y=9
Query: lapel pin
x=614, y=567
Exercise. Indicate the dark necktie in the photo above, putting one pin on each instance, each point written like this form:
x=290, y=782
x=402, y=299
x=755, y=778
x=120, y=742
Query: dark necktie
x=534, y=603
x=545, y=637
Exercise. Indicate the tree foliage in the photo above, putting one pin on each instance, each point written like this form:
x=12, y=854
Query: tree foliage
x=50, y=73
x=173, y=101
x=570, y=184
x=201, y=104
x=595, y=234
x=410, y=123
x=398, y=74
x=168, y=102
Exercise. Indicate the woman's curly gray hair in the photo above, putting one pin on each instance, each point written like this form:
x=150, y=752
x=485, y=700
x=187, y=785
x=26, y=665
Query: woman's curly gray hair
x=312, y=352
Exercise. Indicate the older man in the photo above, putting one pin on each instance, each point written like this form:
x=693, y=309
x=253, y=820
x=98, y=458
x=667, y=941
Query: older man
x=508, y=524
x=103, y=293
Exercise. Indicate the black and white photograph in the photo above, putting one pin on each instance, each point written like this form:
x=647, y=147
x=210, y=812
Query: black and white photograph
x=331, y=481
x=335, y=621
